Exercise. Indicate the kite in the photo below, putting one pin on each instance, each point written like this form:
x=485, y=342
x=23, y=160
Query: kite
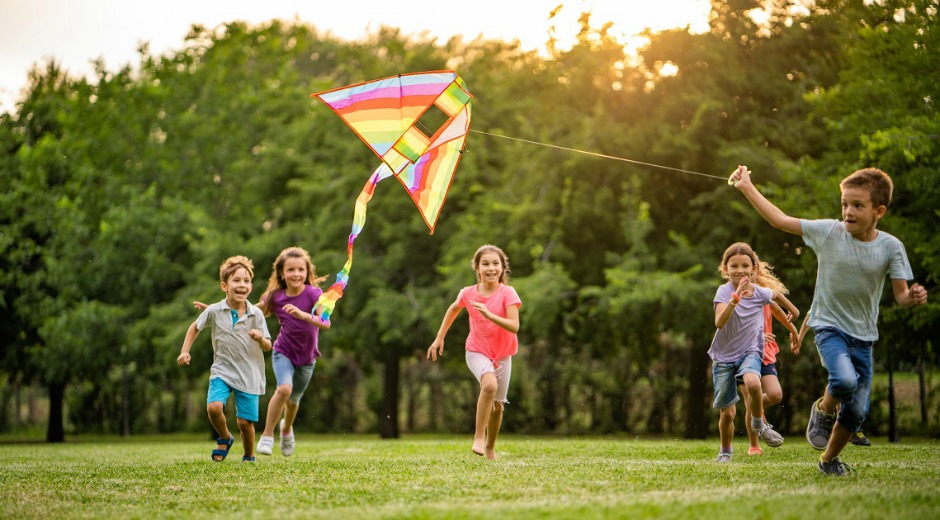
x=387, y=115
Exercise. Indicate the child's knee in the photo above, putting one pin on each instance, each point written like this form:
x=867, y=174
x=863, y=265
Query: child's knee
x=244, y=424
x=728, y=412
x=488, y=384
x=843, y=387
x=215, y=408
x=774, y=396
x=284, y=391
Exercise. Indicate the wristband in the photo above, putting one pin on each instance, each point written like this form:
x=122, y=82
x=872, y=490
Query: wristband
x=735, y=297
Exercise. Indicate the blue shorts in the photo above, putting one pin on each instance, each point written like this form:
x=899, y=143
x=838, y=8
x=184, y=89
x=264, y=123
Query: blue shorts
x=724, y=374
x=765, y=370
x=287, y=373
x=246, y=405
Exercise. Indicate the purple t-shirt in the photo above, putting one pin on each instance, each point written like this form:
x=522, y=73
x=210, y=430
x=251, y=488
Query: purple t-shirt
x=297, y=339
x=744, y=332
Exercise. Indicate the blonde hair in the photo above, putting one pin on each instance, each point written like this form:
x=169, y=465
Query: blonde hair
x=767, y=278
x=277, y=281
x=504, y=276
x=232, y=264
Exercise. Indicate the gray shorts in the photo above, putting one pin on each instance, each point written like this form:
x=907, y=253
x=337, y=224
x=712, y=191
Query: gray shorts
x=287, y=373
x=480, y=364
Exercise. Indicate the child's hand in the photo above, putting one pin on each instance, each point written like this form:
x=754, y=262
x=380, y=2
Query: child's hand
x=183, y=359
x=740, y=177
x=796, y=342
x=483, y=310
x=769, y=336
x=295, y=311
x=255, y=334
x=745, y=290
x=436, y=349
x=918, y=294
x=199, y=305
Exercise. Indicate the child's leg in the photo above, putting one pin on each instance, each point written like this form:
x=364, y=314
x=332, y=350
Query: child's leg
x=773, y=394
x=754, y=395
x=247, y=429
x=217, y=419
x=290, y=413
x=484, y=411
x=751, y=434
x=726, y=427
x=492, y=429
x=276, y=408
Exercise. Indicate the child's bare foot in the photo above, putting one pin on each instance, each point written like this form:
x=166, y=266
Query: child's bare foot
x=491, y=453
x=478, y=446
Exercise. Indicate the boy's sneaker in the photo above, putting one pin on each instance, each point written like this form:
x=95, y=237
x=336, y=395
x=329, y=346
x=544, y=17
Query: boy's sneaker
x=819, y=427
x=770, y=436
x=723, y=457
x=835, y=468
x=859, y=439
x=265, y=445
x=287, y=441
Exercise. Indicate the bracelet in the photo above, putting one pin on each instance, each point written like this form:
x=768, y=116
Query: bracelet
x=736, y=298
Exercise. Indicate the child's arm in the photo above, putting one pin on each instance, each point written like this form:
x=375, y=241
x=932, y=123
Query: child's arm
x=804, y=327
x=437, y=347
x=781, y=300
x=313, y=319
x=191, y=335
x=257, y=336
x=724, y=311
x=772, y=214
x=915, y=295
x=510, y=322
x=787, y=322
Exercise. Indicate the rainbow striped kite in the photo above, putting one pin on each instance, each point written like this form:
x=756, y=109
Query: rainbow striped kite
x=387, y=115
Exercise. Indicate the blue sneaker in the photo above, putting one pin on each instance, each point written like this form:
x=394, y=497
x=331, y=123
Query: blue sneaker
x=819, y=427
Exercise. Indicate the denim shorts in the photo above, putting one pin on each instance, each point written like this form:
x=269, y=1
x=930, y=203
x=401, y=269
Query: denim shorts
x=287, y=373
x=849, y=362
x=724, y=375
x=246, y=405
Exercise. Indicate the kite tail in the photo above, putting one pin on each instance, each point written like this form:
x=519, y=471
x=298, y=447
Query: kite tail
x=327, y=300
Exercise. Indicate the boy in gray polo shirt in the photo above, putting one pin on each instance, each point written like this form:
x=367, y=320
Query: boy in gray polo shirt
x=239, y=335
x=854, y=260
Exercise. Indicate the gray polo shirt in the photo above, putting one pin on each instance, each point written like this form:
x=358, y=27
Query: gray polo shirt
x=851, y=276
x=237, y=359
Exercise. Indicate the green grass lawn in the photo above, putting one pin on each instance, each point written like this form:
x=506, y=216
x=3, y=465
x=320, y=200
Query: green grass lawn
x=438, y=477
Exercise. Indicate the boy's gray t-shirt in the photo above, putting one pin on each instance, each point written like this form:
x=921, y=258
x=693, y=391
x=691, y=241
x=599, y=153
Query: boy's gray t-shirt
x=237, y=359
x=851, y=276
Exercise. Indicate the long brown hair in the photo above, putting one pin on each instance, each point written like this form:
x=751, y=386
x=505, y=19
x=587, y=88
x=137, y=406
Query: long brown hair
x=504, y=276
x=277, y=282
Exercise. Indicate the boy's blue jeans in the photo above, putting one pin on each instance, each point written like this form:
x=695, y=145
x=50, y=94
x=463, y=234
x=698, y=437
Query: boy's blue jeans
x=849, y=362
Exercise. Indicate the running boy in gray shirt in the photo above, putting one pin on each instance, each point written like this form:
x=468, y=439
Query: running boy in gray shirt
x=854, y=259
x=239, y=335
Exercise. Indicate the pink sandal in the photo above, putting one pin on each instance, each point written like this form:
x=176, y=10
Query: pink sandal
x=755, y=450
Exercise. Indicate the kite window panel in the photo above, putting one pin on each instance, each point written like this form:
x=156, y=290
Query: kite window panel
x=432, y=120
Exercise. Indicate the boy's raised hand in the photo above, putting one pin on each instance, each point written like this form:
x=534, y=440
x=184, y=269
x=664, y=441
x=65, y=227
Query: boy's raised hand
x=740, y=177
x=918, y=294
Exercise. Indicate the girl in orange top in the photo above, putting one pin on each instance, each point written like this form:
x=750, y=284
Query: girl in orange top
x=493, y=307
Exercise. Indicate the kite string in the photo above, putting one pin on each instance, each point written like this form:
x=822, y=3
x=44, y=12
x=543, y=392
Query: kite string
x=603, y=156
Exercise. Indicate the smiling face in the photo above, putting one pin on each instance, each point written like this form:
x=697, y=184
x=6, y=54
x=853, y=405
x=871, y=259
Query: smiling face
x=294, y=273
x=859, y=214
x=237, y=288
x=738, y=267
x=489, y=268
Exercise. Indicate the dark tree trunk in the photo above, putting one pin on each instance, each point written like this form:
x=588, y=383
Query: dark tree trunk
x=56, y=430
x=696, y=404
x=388, y=428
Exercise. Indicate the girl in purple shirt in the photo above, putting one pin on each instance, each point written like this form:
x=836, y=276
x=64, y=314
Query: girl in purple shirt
x=291, y=295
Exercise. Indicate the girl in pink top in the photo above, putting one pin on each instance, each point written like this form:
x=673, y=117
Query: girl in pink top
x=493, y=307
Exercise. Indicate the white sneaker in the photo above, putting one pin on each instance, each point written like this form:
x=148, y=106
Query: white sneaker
x=287, y=442
x=265, y=445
